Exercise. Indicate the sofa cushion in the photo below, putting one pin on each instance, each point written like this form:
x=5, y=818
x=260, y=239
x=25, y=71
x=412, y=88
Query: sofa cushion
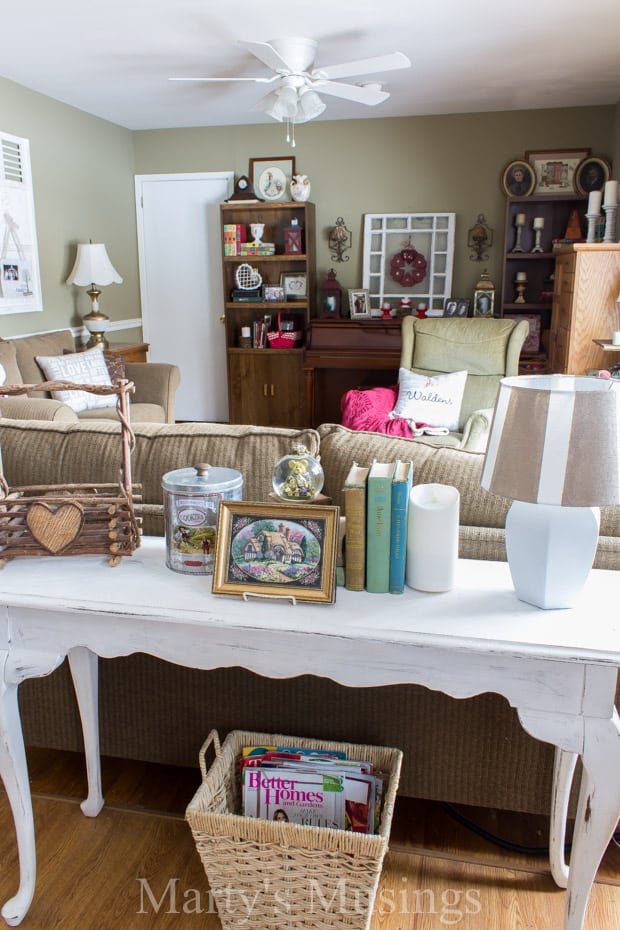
x=28, y=347
x=8, y=360
x=87, y=367
x=138, y=413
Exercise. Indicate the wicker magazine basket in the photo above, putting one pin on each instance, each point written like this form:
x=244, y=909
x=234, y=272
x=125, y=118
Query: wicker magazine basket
x=73, y=519
x=270, y=874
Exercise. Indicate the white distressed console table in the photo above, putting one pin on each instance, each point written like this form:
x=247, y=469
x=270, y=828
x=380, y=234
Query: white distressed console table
x=558, y=668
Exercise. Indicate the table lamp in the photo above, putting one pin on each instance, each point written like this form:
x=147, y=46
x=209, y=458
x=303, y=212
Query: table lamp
x=554, y=450
x=92, y=266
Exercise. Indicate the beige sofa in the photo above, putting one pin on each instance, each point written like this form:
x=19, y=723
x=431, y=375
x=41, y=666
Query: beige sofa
x=153, y=401
x=471, y=751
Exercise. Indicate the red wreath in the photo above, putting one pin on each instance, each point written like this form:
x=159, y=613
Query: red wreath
x=408, y=267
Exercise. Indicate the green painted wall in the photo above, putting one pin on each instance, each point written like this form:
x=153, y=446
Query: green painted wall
x=418, y=164
x=83, y=174
x=82, y=171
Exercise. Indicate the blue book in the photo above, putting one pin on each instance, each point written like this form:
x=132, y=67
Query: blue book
x=378, y=523
x=401, y=485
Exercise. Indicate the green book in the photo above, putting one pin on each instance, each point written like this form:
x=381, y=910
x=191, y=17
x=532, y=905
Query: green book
x=378, y=526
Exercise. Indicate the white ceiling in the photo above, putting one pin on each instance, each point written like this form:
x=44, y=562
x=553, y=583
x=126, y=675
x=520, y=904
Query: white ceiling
x=113, y=58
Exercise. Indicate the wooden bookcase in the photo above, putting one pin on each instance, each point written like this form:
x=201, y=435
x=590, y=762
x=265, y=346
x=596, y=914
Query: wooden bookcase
x=266, y=386
x=538, y=266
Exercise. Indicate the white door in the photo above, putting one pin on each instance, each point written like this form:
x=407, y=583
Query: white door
x=181, y=284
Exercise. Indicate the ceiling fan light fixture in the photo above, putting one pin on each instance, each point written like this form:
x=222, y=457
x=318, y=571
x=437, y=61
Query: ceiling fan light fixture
x=310, y=105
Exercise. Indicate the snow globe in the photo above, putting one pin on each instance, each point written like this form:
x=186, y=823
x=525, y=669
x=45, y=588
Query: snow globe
x=297, y=477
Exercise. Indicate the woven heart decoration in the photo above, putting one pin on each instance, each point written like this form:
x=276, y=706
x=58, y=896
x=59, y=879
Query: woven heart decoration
x=55, y=529
x=247, y=278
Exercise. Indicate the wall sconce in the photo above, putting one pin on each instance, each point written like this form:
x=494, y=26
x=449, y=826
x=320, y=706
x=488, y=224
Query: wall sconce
x=479, y=238
x=340, y=241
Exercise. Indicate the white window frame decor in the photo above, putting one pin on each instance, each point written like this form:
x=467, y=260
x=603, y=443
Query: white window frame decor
x=20, y=282
x=429, y=234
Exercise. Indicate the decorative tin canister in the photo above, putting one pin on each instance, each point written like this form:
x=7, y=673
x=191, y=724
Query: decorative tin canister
x=191, y=502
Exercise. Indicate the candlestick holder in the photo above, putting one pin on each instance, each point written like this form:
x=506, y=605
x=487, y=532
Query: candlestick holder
x=537, y=246
x=592, y=219
x=611, y=211
x=517, y=247
x=520, y=288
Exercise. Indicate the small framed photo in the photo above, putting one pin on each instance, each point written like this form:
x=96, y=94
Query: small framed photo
x=518, y=179
x=271, y=177
x=294, y=285
x=359, y=304
x=555, y=170
x=279, y=550
x=274, y=292
x=456, y=306
x=484, y=303
x=591, y=174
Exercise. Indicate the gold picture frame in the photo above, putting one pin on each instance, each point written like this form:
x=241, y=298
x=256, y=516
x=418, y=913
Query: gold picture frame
x=278, y=550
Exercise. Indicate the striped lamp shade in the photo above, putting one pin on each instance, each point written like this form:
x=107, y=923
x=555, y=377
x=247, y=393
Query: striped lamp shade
x=555, y=439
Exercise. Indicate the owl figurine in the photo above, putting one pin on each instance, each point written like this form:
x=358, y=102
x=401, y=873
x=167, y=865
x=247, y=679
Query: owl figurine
x=300, y=188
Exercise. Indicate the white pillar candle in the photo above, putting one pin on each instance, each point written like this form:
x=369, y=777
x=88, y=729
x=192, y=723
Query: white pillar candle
x=432, y=537
x=611, y=194
x=594, y=202
x=521, y=276
x=520, y=219
x=539, y=222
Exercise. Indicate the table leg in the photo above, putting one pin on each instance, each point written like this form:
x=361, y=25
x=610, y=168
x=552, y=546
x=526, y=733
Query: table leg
x=14, y=772
x=597, y=813
x=84, y=666
x=563, y=771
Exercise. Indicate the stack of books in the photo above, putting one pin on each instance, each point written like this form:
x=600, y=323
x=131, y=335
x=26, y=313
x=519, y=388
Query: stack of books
x=376, y=505
x=234, y=237
x=249, y=248
x=310, y=787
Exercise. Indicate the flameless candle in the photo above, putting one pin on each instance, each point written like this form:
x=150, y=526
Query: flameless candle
x=520, y=219
x=611, y=194
x=539, y=222
x=594, y=202
x=432, y=537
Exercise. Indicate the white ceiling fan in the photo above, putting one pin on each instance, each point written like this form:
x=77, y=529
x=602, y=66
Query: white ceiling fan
x=295, y=98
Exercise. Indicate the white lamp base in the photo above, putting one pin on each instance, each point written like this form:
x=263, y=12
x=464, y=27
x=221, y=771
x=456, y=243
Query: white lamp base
x=550, y=551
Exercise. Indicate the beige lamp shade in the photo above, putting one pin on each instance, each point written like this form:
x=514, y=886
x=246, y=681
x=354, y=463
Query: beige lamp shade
x=555, y=439
x=93, y=266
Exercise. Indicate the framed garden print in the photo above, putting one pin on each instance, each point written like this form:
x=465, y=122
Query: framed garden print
x=271, y=177
x=277, y=550
x=359, y=304
x=555, y=170
x=591, y=174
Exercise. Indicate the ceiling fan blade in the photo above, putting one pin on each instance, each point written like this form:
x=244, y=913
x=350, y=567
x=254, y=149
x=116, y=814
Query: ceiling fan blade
x=267, y=54
x=256, y=80
x=370, y=95
x=391, y=62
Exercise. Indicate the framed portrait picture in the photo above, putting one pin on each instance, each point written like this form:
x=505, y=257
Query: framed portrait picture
x=484, y=303
x=555, y=171
x=294, y=285
x=456, y=306
x=518, y=179
x=591, y=174
x=359, y=304
x=271, y=177
x=281, y=550
x=274, y=292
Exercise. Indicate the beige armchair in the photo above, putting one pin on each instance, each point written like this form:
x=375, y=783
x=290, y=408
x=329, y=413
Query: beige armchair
x=488, y=349
x=153, y=401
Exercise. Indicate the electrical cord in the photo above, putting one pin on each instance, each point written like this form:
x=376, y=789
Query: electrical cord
x=499, y=841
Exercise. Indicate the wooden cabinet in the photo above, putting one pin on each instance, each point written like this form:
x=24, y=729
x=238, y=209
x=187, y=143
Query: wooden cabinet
x=266, y=385
x=129, y=351
x=585, y=306
x=537, y=266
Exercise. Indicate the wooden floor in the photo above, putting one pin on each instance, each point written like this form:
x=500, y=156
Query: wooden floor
x=135, y=866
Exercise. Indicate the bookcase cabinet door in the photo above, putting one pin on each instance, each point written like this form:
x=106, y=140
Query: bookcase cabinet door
x=266, y=387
